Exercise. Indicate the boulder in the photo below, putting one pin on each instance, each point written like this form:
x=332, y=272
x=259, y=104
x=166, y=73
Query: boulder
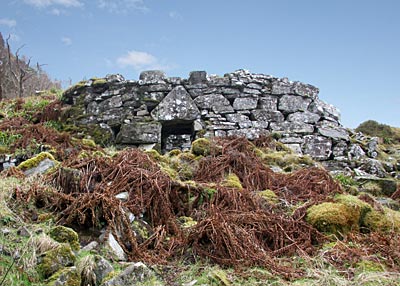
x=318, y=147
x=268, y=102
x=139, y=132
x=196, y=77
x=292, y=127
x=267, y=115
x=306, y=116
x=134, y=274
x=215, y=102
x=177, y=105
x=245, y=103
x=152, y=76
x=292, y=103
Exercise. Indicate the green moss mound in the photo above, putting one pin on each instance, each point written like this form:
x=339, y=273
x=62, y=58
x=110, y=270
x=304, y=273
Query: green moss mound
x=332, y=218
x=383, y=221
x=269, y=196
x=56, y=259
x=232, y=181
x=34, y=162
x=201, y=147
x=65, y=235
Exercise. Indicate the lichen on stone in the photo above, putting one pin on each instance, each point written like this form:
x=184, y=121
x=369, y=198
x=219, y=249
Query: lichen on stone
x=56, y=259
x=269, y=196
x=332, y=218
x=34, y=162
x=201, y=147
x=65, y=235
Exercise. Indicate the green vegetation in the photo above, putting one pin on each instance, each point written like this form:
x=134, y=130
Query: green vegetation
x=387, y=133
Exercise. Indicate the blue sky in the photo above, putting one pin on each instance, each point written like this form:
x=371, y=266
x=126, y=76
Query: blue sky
x=350, y=49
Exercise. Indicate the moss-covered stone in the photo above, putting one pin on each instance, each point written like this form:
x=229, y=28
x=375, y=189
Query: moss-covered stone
x=201, y=147
x=355, y=206
x=219, y=277
x=65, y=235
x=269, y=196
x=96, y=82
x=332, y=218
x=34, y=162
x=66, y=276
x=232, y=181
x=369, y=266
x=385, y=221
x=88, y=143
x=140, y=228
x=56, y=259
x=186, y=221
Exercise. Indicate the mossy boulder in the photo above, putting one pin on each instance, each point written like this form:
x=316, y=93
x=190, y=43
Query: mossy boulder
x=56, y=259
x=378, y=186
x=269, y=196
x=66, y=276
x=385, y=221
x=186, y=221
x=332, y=218
x=356, y=207
x=35, y=161
x=201, y=147
x=232, y=181
x=65, y=235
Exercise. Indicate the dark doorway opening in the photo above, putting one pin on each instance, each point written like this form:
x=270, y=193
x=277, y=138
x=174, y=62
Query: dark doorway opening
x=176, y=135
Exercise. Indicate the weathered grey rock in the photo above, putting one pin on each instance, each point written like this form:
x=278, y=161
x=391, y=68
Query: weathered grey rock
x=41, y=168
x=292, y=103
x=132, y=275
x=306, y=116
x=318, y=147
x=102, y=269
x=373, y=167
x=288, y=139
x=355, y=152
x=339, y=149
x=245, y=103
x=266, y=115
x=66, y=276
x=249, y=133
x=114, y=78
x=256, y=124
x=112, y=244
x=177, y=105
x=282, y=86
x=90, y=246
x=325, y=110
x=196, y=77
x=268, y=102
x=139, y=133
x=292, y=127
x=218, y=81
x=113, y=102
x=376, y=185
x=152, y=76
x=178, y=141
x=389, y=203
x=336, y=133
x=306, y=90
x=250, y=91
x=296, y=148
x=373, y=147
x=215, y=102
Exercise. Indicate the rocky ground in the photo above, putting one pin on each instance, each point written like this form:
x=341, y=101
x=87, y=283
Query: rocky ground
x=226, y=212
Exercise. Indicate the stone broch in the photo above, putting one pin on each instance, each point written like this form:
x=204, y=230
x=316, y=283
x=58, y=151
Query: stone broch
x=171, y=112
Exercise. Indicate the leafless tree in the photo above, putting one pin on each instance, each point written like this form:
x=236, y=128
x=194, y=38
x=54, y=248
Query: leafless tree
x=18, y=78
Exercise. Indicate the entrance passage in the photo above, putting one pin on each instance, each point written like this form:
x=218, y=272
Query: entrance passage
x=176, y=134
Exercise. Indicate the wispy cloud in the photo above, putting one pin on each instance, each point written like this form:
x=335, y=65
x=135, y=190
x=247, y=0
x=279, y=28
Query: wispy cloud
x=66, y=41
x=8, y=22
x=122, y=6
x=47, y=3
x=141, y=61
x=175, y=15
x=55, y=11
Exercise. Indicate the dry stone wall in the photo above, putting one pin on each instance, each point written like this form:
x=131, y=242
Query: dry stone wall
x=172, y=111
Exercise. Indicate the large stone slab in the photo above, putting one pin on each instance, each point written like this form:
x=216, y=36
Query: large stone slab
x=245, y=103
x=293, y=103
x=177, y=105
x=292, y=127
x=215, y=102
x=267, y=115
x=318, y=147
x=139, y=133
